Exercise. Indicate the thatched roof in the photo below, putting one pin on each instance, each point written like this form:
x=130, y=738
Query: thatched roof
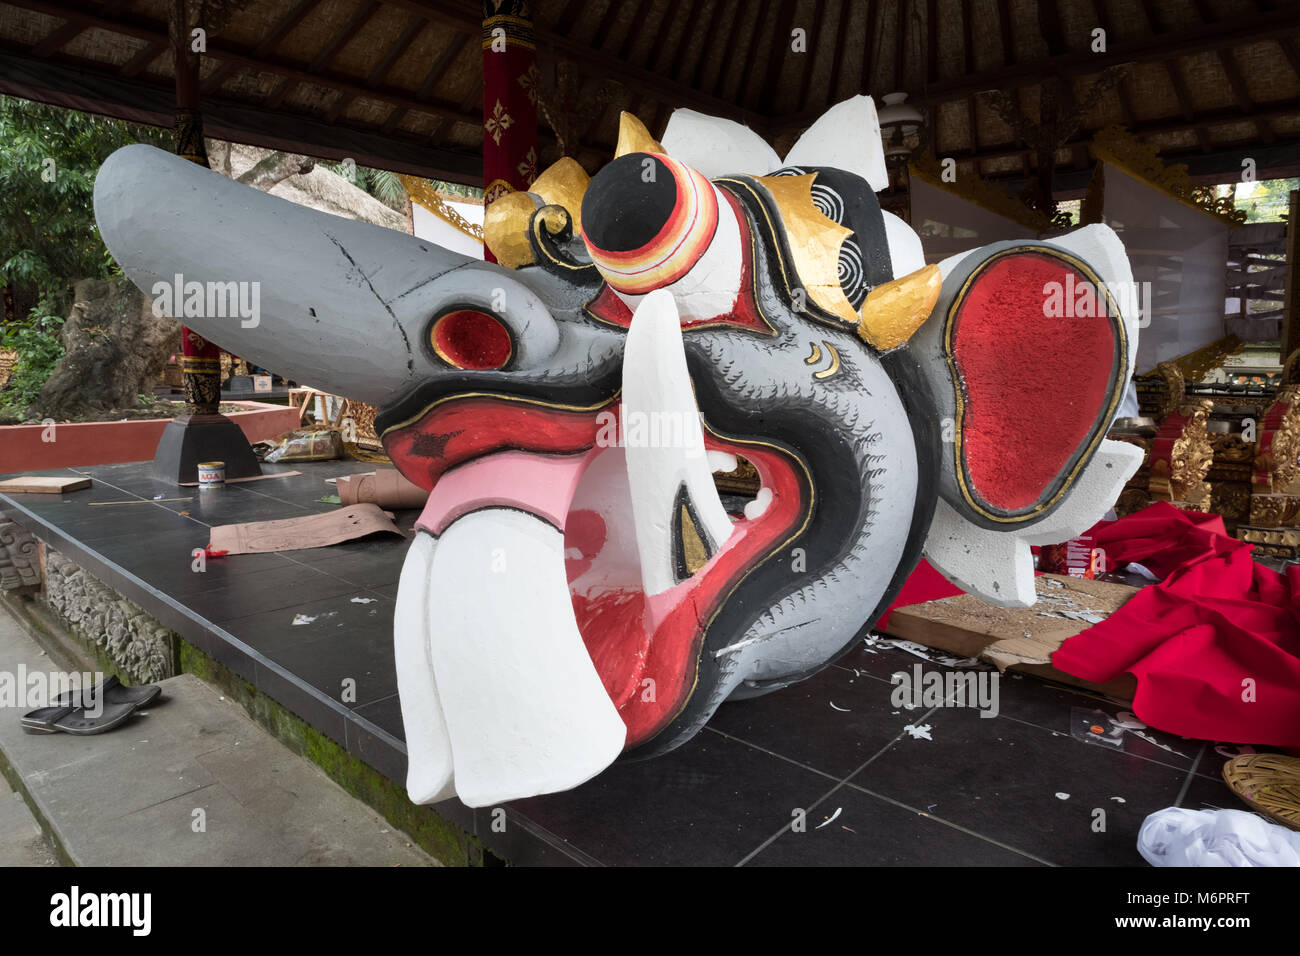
x=396, y=83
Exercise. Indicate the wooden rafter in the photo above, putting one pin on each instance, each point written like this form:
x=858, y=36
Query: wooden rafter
x=143, y=57
x=779, y=41
x=716, y=87
x=380, y=71
x=931, y=41
x=840, y=45
x=634, y=30
x=684, y=44
x=696, y=76
x=440, y=67
x=809, y=59
x=870, y=43
x=1007, y=33
x=278, y=32
x=901, y=10
x=323, y=59
x=750, y=49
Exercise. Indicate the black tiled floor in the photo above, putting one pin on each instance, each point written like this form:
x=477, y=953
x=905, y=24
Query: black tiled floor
x=708, y=803
x=870, y=831
x=981, y=791
x=844, y=719
x=1002, y=778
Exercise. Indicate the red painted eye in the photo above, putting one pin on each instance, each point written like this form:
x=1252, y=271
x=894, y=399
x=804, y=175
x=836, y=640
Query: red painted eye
x=469, y=339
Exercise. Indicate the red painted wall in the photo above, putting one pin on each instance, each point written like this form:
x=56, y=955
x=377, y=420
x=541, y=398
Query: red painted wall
x=108, y=443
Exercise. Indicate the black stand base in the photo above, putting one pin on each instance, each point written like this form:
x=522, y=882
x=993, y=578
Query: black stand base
x=189, y=440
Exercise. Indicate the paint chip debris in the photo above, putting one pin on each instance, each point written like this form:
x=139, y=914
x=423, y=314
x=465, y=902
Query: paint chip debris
x=1119, y=799
x=300, y=619
x=830, y=819
x=364, y=600
x=1062, y=796
x=919, y=733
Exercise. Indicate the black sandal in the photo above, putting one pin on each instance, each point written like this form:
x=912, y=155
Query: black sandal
x=69, y=715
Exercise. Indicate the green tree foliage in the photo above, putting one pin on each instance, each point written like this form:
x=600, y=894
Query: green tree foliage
x=48, y=160
x=48, y=238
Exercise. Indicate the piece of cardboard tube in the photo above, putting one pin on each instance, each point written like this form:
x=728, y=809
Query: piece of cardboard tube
x=386, y=488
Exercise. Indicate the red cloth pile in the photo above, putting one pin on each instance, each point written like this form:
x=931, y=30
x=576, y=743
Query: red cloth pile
x=1215, y=646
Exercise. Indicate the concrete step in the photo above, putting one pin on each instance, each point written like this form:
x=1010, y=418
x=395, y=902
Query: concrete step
x=190, y=781
x=21, y=841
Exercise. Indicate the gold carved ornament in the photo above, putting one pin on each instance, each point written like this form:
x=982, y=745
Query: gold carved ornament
x=891, y=313
x=972, y=188
x=1120, y=148
x=1181, y=476
x=427, y=196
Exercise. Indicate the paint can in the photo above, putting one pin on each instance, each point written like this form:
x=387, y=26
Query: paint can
x=212, y=473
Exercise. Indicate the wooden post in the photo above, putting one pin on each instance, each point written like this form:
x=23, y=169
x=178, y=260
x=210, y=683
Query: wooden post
x=202, y=433
x=1291, y=308
x=200, y=359
x=510, y=91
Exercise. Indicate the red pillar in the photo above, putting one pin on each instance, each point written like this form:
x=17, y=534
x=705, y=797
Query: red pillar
x=200, y=359
x=510, y=81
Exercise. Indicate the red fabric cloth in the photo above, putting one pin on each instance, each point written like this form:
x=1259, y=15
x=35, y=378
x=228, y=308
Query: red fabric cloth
x=923, y=584
x=1215, y=646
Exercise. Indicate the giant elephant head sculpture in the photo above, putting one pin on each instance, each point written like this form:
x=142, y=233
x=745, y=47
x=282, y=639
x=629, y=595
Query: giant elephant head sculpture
x=691, y=445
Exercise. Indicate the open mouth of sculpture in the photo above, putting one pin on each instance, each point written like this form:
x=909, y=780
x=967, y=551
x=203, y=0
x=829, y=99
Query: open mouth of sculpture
x=644, y=574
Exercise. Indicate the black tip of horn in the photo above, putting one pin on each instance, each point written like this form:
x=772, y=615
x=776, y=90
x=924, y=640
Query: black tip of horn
x=628, y=203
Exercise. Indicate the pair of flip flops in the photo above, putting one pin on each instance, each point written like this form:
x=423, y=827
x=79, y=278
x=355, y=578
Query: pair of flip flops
x=114, y=703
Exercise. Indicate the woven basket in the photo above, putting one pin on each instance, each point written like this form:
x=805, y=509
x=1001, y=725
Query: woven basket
x=1270, y=783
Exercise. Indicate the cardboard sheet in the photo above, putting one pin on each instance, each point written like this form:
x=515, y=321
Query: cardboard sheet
x=310, y=531
x=1022, y=639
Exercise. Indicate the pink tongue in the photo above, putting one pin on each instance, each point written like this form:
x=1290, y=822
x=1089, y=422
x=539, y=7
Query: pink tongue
x=542, y=485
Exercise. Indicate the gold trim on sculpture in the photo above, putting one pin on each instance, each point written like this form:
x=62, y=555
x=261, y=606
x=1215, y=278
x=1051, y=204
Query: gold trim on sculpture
x=814, y=240
x=507, y=221
x=891, y=313
x=834, y=366
x=633, y=137
x=505, y=225
x=1117, y=387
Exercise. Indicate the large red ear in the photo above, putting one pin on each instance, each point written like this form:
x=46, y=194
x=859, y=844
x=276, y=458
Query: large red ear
x=1036, y=354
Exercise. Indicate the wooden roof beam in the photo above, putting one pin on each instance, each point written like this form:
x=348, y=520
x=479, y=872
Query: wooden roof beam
x=870, y=43
x=381, y=69
x=840, y=46
x=1209, y=118
x=1185, y=104
x=684, y=44
x=440, y=67
x=776, y=64
x=629, y=41
x=156, y=31
x=746, y=69
x=716, y=87
x=278, y=33
x=931, y=41
x=902, y=8
x=143, y=57
x=1086, y=63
